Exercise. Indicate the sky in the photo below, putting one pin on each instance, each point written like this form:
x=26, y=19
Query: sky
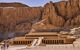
x=31, y=2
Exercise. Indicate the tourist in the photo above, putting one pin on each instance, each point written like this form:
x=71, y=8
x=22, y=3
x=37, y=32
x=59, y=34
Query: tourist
x=2, y=47
x=7, y=44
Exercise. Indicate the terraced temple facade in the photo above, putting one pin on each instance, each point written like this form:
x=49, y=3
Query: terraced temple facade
x=49, y=38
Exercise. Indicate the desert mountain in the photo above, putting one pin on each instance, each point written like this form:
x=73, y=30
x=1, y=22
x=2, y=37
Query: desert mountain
x=13, y=4
x=17, y=17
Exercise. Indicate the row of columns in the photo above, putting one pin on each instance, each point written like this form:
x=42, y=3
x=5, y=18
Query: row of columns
x=43, y=41
x=53, y=41
x=22, y=42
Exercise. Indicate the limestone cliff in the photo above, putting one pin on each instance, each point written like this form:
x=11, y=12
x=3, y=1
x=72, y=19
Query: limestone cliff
x=20, y=18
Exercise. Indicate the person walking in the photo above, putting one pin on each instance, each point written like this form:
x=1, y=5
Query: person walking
x=2, y=47
x=7, y=44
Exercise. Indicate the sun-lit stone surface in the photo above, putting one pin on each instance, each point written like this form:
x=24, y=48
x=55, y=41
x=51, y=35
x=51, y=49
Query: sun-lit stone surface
x=51, y=47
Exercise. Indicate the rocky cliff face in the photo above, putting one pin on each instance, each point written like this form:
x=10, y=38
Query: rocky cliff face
x=63, y=14
x=18, y=18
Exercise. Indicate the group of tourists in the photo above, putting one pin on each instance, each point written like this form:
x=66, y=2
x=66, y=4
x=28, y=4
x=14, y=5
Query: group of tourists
x=5, y=45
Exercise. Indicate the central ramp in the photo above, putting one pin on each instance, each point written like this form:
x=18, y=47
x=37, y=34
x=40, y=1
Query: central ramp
x=36, y=42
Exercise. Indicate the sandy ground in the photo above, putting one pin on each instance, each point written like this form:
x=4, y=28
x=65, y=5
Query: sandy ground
x=15, y=47
x=48, y=47
x=53, y=47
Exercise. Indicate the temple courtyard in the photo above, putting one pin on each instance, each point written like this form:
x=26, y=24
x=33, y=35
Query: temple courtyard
x=47, y=47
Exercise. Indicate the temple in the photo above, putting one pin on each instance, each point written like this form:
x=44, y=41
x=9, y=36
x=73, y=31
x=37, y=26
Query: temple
x=48, y=38
x=45, y=37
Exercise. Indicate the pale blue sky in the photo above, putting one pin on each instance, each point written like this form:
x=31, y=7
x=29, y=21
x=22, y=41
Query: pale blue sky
x=31, y=2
